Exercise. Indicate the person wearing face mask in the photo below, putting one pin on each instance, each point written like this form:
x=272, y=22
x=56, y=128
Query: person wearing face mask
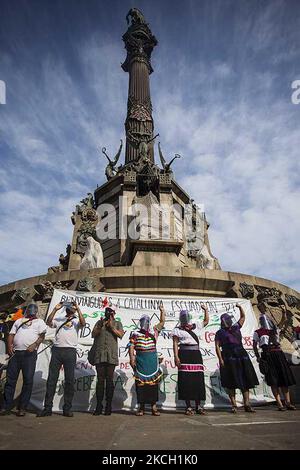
x=63, y=353
x=24, y=338
x=106, y=333
x=236, y=369
x=145, y=363
x=272, y=361
x=189, y=360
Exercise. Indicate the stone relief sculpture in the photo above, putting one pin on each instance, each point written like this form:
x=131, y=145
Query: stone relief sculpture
x=93, y=256
x=110, y=170
x=86, y=284
x=197, y=243
x=150, y=222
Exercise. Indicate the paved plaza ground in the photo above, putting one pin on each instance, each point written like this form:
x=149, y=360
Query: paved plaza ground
x=266, y=429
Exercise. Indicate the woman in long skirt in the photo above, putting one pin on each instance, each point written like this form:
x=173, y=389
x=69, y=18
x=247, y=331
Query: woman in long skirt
x=189, y=361
x=145, y=364
x=272, y=362
x=236, y=368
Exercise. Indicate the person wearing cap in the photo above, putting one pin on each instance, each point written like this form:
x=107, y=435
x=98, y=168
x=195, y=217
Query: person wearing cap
x=272, y=361
x=24, y=339
x=106, y=333
x=63, y=353
x=145, y=362
x=236, y=369
x=189, y=360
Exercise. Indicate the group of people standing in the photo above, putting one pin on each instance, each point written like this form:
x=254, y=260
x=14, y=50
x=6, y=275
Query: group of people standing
x=236, y=369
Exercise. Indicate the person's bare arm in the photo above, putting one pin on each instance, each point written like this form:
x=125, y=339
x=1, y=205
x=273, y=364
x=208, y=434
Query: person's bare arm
x=80, y=316
x=36, y=344
x=162, y=318
x=242, y=314
x=51, y=316
x=132, y=356
x=255, y=349
x=115, y=331
x=175, y=349
x=219, y=353
x=10, y=344
x=206, y=315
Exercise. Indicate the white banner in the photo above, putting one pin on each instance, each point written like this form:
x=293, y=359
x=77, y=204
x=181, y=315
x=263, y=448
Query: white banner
x=129, y=309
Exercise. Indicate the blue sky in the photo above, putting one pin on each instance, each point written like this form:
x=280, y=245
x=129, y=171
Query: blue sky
x=221, y=93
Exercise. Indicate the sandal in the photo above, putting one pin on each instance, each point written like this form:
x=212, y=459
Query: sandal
x=248, y=409
x=189, y=411
x=291, y=407
x=200, y=411
x=140, y=413
x=234, y=409
x=155, y=413
x=281, y=408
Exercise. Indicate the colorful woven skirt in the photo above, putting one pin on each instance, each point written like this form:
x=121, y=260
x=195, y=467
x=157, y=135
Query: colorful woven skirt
x=191, y=384
x=147, y=375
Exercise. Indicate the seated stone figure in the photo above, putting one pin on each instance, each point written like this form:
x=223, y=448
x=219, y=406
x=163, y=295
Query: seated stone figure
x=93, y=257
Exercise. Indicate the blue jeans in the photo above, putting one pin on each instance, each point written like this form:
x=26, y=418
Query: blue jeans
x=65, y=357
x=22, y=361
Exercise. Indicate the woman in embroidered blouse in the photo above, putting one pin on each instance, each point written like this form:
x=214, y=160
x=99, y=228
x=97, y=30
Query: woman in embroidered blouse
x=189, y=361
x=236, y=368
x=145, y=364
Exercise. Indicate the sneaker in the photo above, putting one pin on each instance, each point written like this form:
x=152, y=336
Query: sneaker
x=21, y=413
x=68, y=414
x=5, y=412
x=44, y=413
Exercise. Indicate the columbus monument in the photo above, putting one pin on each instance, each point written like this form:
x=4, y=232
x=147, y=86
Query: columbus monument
x=140, y=232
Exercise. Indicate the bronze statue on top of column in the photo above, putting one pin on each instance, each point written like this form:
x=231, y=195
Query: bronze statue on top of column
x=139, y=43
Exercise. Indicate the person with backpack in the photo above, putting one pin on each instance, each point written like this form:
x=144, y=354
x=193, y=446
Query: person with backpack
x=63, y=353
x=236, y=369
x=145, y=363
x=23, y=341
x=189, y=360
x=272, y=361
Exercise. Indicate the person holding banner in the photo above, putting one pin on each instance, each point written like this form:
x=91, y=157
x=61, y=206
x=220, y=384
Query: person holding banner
x=106, y=333
x=23, y=341
x=144, y=362
x=272, y=362
x=189, y=360
x=63, y=353
x=236, y=368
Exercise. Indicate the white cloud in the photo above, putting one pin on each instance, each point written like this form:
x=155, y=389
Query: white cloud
x=238, y=136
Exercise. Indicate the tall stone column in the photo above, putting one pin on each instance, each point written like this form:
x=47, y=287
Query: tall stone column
x=139, y=43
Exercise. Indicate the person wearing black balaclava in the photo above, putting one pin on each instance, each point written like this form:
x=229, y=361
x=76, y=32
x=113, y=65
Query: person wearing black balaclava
x=236, y=369
x=63, y=353
x=106, y=333
x=272, y=361
x=23, y=342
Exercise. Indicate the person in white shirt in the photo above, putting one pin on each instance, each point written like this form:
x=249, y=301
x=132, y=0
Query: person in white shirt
x=24, y=339
x=63, y=354
x=189, y=361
